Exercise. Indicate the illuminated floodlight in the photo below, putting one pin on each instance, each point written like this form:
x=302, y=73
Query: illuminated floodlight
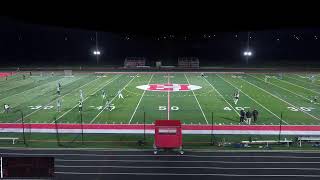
x=96, y=52
x=247, y=53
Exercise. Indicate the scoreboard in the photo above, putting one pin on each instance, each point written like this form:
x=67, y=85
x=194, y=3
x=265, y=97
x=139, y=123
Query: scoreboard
x=27, y=167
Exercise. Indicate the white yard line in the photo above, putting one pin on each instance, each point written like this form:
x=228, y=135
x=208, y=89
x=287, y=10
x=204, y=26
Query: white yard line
x=110, y=81
x=299, y=86
x=111, y=101
x=281, y=88
x=197, y=101
x=30, y=89
x=302, y=80
x=140, y=100
x=222, y=96
x=253, y=99
x=60, y=97
x=280, y=99
x=301, y=76
x=27, y=83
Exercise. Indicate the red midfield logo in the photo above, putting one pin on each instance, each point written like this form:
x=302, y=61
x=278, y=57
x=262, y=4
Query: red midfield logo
x=168, y=87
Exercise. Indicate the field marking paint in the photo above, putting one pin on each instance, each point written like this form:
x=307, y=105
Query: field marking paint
x=304, y=77
x=60, y=97
x=281, y=87
x=253, y=100
x=222, y=96
x=168, y=107
x=187, y=167
x=185, y=174
x=197, y=100
x=140, y=100
x=299, y=86
x=111, y=101
x=302, y=80
x=275, y=156
x=30, y=89
x=108, y=82
x=280, y=99
x=27, y=83
x=1, y=169
x=190, y=161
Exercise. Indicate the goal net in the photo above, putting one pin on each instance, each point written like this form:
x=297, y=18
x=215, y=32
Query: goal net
x=43, y=74
x=68, y=73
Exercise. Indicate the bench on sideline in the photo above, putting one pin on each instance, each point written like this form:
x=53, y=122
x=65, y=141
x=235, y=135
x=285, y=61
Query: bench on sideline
x=10, y=138
x=309, y=139
x=268, y=142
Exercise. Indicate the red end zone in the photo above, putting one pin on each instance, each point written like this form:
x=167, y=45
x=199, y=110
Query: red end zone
x=4, y=74
x=186, y=129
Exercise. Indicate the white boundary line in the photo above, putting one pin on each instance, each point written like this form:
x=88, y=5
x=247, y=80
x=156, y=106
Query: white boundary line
x=274, y=156
x=34, y=88
x=188, y=167
x=300, y=76
x=187, y=174
x=197, y=100
x=299, y=86
x=253, y=100
x=191, y=161
x=30, y=89
x=108, y=82
x=60, y=97
x=301, y=80
x=111, y=101
x=222, y=96
x=281, y=87
x=140, y=100
x=27, y=83
x=280, y=99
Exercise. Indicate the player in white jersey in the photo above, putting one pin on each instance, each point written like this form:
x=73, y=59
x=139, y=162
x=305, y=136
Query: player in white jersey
x=59, y=105
x=6, y=108
x=104, y=95
x=236, y=97
x=81, y=94
x=58, y=90
x=120, y=94
x=108, y=105
x=265, y=78
x=80, y=106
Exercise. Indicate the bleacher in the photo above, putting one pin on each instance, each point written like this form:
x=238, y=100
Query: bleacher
x=188, y=62
x=135, y=62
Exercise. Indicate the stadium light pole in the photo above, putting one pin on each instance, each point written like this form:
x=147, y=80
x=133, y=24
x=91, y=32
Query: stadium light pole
x=248, y=53
x=97, y=52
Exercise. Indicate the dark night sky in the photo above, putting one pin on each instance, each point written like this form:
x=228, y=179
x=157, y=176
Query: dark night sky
x=26, y=44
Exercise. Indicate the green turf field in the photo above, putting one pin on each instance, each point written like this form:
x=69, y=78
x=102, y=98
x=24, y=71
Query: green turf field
x=36, y=97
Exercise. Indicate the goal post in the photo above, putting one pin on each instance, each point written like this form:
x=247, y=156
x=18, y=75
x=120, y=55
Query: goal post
x=68, y=73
